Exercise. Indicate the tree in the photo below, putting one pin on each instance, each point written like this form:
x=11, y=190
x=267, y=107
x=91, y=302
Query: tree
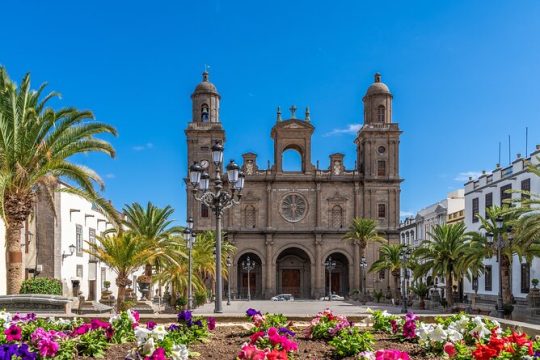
x=37, y=145
x=390, y=259
x=123, y=252
x=443, y=255
x=363, y=231
x=155, y=225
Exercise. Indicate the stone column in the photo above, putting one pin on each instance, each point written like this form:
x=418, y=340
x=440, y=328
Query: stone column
x=356, y=266
x=269, y=290
x=268, y=206
x=318, y=199
x=319, y=268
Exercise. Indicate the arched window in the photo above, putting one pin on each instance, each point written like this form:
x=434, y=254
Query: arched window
x=205, y=113
x=291, y=160
x=337, y=217
x=380, y=113
x=382, y=211
x=250, y=219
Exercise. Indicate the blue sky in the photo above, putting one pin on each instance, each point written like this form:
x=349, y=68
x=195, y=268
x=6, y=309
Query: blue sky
x=464, y=75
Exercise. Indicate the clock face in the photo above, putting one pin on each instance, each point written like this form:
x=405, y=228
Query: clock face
x=204, y=164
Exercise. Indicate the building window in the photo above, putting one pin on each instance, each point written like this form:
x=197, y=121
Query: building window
x=381, y=211
x=526, y=186
x=204, y=113
x=204, y=211
x=506, y=195
x=78, y=240
x=381, y=168
x=489, y=203
x=337, y=217
x=488, y=278
x=380, y=113
x=92, y=240
x=103, y=278
x=79, y=271
x=381, y=275
x=475, y=210
x=250, y=216
x=525, y=277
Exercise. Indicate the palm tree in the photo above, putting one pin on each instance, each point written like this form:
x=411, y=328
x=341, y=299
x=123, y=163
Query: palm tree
x=37, y=144
x=123, y=252
x=363, y=231
x=443, y=254
x=155, y=225
x=390, y=259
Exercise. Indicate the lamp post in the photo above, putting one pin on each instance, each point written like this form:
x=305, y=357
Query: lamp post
x=71, y=252
x=189, y=236
x=406, y=252
x=330, y=265
x=248, y=265
x=363, y=266
x=499, y=222
x=218, y=199
x=229, y=264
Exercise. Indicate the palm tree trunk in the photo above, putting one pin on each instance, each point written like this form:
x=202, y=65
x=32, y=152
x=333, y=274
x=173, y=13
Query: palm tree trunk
x=396, y=287
x=449, y=294
x=505, y=272
x=121, y=281
x=15, y=268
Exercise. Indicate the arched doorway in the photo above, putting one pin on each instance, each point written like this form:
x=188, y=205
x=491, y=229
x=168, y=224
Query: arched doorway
x=339, y=276
x=255, y=277
x=293, y=273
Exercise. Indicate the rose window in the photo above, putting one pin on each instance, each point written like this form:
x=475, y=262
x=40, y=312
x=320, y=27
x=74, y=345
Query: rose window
x=293, y=207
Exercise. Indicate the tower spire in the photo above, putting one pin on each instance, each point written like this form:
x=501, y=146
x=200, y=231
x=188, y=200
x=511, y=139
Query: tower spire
x=307, y=114
x=278, y=117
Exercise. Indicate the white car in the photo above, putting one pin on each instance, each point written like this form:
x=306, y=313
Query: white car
x=335, y=297
x=283, y=297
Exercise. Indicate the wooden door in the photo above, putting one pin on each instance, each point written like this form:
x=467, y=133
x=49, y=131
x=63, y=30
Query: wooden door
x=336, y=288
x=252, y=283
x=290, y=282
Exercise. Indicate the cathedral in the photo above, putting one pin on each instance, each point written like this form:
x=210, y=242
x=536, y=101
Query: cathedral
x=290, y=222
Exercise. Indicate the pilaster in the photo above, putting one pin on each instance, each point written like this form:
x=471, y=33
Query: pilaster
x=269, y=290
x=319, y=268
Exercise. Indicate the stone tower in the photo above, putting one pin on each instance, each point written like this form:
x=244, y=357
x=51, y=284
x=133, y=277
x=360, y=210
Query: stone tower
x=202, y=132
x=378, y=157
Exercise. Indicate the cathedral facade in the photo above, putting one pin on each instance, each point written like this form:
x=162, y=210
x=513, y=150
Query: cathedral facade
x=290, y=222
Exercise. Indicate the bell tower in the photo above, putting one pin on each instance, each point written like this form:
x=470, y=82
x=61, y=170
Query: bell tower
x=378, y=156
x=203, y=131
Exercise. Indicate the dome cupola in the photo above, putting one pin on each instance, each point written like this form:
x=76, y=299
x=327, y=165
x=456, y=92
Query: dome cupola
x=205, y=100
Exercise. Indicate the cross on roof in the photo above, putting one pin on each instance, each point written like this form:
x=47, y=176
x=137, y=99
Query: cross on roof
x=293, y=111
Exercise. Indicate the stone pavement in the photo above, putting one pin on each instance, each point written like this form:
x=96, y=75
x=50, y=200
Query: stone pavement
x=300, y=308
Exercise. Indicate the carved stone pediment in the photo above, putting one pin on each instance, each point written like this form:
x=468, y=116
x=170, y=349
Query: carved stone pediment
x=337, y=198
x=249, y=197
x=292, y=126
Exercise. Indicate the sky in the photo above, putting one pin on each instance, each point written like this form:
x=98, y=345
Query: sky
x=464, y=75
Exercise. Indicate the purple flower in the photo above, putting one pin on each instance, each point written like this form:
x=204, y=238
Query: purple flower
x=7, y=351
x=150, y=325
x=173, y=327
x=185, y=315
x=284, y=330
x=25, y=354
x=211, y=322
x=252, y=312
x=410, y=316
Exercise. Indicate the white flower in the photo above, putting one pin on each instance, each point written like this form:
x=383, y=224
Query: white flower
x=149, y=347
x=5, y=316
x=453, y=335
x=131, y=317
x=385, y=313
x=141, y=334
x=438, y=334
x=159, y=332
x=179, y=352
x=114, y=317
x=460, y=325
x=366, y=355
x=423, y=331
x=480, y=328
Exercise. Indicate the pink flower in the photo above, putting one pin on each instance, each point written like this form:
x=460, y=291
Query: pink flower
x=211, y=323
x=13, y=333
x=289, y=345
x=258, y=320
x=158, y=354
x=150, y=325
x=81, y=330
x=47, y=348
x=391, y=355
x=250, y=352
x=97, y=324
x=394, y=326
x=450, y=349
x=409, y=329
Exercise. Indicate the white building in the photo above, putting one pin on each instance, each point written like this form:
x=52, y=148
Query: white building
x=46, y=240
x=490, y=189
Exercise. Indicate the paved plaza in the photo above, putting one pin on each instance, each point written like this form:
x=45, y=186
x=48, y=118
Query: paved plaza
x=299, y=307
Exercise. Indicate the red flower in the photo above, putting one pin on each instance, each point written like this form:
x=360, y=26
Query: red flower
x=277, y=355
x=484, y=352
x=253, y=338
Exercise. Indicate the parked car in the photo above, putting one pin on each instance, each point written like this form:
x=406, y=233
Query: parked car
x=335, y=297
x=283, y=297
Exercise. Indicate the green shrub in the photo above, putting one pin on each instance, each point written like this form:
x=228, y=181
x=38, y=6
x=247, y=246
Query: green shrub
x=38, y=285
x=200, y=299
x=350, y=341
x=378, y=295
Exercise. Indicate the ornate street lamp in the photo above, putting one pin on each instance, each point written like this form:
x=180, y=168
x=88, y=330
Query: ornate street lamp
x=248, y=265
x=406, y=252
x=189, y=237
x=363, y=266
x=499, y=223
x=218, y=199
x=71, y=252
x=229, y=264
x=330, y=265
